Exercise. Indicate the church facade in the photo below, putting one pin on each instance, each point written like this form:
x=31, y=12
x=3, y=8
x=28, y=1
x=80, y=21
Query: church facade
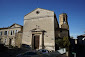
x=41, y=29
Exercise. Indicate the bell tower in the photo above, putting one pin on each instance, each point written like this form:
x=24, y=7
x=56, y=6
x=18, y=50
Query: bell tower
x=63, y=22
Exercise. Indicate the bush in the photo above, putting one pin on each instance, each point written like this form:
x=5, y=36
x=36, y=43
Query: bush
x=63, y=42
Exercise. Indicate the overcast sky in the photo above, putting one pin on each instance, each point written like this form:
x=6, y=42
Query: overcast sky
x=13, y=11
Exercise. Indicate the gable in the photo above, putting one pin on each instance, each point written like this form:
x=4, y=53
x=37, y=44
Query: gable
x=39, y=13
x=15, y=25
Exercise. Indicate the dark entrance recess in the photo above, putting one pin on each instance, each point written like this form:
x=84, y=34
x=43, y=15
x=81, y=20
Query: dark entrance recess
x=10, y=40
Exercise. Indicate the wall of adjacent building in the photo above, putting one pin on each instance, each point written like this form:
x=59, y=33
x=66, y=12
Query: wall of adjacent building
x=5, y=38
x=18, y=39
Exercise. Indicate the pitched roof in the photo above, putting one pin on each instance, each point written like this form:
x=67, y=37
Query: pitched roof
x=10, y=26
x=36, y=9
x=15, y=24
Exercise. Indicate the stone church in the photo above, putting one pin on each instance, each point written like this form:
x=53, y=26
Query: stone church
x=41, y=29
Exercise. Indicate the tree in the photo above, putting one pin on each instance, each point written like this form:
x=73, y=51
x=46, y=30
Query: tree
x=59, y=42
x=66, y=42
x=63, y=42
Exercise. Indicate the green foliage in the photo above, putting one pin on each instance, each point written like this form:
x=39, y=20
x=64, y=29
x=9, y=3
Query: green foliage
x=66, y=42
x=63, y=42
x=59, y=42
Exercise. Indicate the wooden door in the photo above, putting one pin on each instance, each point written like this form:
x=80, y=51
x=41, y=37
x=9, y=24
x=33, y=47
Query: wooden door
x=36, y=42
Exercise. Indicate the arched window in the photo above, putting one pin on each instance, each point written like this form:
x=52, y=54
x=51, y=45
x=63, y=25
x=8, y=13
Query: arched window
x=1, y=33
x=5, y=32
x=64, y=21
x=16, y=31
x=11, y=32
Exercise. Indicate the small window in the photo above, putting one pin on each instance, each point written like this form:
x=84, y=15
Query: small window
x=5, y=33
x=1, y=33
x=37, y=12
x=16, y=31
x=11, y=32
x=64, y=21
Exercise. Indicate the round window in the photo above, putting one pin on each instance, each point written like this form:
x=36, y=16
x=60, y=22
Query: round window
x=37, y=12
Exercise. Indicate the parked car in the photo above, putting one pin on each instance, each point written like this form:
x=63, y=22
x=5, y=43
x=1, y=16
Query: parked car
x=43, y=51
x=24, y=46
x=27, y=54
